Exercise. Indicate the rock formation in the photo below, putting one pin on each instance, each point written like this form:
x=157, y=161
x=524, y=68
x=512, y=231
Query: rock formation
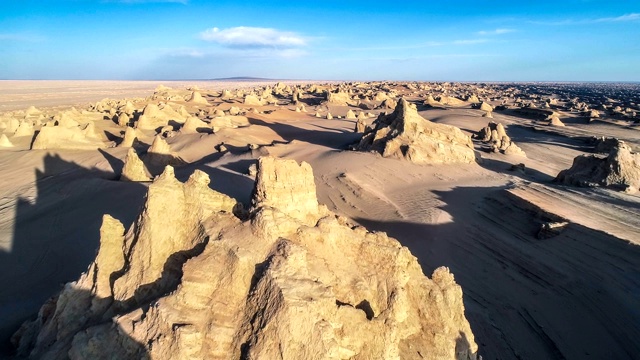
x=340, y=98
x=123, y=119
x=407, y=135
x=619, y=170
x=130, y=137
x=554, y=120
x=154, y=117
x=350, y=115
x=59, y=137
x=5, y=142
x=160, y=154
x=486, y=107
x=498, y=140
x=197, y=98
x=24, y=129
x=194, y=125
x=252, y=100
x=192, y=280
x=605, y=145
x=134, y=169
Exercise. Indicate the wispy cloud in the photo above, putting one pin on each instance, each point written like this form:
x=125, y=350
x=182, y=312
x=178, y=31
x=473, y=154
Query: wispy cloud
x=253, y=37
x=498, y=31
x=615, y=19
x=622, y=18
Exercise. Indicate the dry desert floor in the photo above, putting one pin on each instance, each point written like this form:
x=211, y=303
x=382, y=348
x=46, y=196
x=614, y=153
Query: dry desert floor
x=569, y=293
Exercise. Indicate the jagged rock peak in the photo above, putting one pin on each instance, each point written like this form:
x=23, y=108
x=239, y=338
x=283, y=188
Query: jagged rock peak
x=286, y=186
x=407, y=135
x=191, y=281
x=134, y=169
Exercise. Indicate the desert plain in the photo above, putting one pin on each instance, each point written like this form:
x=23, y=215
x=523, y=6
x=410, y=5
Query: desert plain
x=259, y=219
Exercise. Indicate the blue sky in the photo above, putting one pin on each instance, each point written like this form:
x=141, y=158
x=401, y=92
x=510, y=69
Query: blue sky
x=573, y=40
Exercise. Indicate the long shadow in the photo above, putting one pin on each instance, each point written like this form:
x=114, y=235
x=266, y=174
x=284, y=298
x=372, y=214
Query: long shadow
x=524, y=134
x=528, y=298
x=506, y=167
x=95, y=337
x=55, y=237
x=332, y=138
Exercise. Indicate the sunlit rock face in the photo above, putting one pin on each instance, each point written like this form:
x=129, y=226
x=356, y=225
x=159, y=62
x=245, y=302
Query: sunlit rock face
x=197, y=277
x=404, y=134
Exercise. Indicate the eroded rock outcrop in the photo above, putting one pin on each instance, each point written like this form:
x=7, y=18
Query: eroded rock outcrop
x=192, y=280
x=5, y=142
x=619, y=170
x=59, y=137
x=496, y=137
x=134, y=169
x=407, y=135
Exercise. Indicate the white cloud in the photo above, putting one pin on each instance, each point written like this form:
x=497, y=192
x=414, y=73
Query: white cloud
x=616, y=19
x=626, y=17
x=253, y=37
x=499, y=31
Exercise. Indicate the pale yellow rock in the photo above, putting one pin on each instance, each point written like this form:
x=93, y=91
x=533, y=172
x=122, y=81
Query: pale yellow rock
x=123, y=119
x=134, y=169
x=5, y=142
x=160, y=155
x=339, y=98
x=202, y=284
x=495, y=135
x=192, y=125
x=58, y=137
x=160, y=146
x=555, y=121
x=360, y=126
x=486, y=107
x=228, y=121
x=287, y=186
x=130, y=136
x=350, y=115
x=24, y=129
x=197, y=98
x=405, y=134
x=252, y=100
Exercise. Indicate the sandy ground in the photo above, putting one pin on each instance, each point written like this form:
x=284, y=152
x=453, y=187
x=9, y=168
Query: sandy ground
x=574, y=296
x=20, y=94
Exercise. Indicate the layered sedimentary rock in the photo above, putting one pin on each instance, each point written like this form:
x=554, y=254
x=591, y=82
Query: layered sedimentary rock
x=160, y=154
x=407, y=135
x=498, y=140
x=134, y=169
x=192, y=279
x=619, y=170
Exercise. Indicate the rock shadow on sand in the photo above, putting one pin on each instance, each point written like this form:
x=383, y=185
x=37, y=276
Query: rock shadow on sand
x=526, y=297
x=56, y=235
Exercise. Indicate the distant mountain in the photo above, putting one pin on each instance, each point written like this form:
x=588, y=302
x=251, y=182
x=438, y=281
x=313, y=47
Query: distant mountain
x=242, y=78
